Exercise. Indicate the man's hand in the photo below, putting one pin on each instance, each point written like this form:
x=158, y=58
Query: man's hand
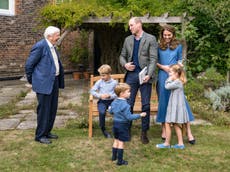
x=129, y=66
x=146, y=78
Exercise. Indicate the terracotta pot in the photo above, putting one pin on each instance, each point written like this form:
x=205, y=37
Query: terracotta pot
x=86, y=75
x=76, y=75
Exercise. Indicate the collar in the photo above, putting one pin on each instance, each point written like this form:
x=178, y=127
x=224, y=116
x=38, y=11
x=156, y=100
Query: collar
x=121, y=98
x=139, y=38
x=49, y=43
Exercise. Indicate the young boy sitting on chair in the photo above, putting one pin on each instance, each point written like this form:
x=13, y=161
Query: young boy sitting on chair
x=104, y=91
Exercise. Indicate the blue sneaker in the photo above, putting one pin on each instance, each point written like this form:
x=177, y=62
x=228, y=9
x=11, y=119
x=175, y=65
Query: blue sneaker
x=161, y=146
x=176, y=146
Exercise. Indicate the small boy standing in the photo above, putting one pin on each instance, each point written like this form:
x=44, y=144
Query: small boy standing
x=104, y=91
x=120, y=109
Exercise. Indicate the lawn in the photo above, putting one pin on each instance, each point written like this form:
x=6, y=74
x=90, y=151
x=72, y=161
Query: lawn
x=74, y=151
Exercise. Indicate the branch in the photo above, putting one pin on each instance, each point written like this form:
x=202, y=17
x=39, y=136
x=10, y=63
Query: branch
x=62, y=37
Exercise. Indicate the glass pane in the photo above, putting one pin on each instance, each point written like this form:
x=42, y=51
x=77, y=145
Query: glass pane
x=60, y=1
x=4, y=4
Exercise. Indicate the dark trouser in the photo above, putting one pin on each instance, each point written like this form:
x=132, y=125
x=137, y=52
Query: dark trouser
x=133, y=80
x=46, y=111
x=102, y=106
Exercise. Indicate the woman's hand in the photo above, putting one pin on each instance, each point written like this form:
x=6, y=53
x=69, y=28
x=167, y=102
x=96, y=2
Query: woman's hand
x=163, y=67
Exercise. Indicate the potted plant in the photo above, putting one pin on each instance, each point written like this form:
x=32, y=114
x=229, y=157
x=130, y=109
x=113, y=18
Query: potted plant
x=79, y=54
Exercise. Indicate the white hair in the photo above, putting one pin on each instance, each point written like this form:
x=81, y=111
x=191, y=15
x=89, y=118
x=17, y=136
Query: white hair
x=50, y=31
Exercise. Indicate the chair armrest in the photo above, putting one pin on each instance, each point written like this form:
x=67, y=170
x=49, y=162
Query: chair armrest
x=90, y=98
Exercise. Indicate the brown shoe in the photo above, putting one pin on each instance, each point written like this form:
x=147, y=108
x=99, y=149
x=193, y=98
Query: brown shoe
x=144, y=138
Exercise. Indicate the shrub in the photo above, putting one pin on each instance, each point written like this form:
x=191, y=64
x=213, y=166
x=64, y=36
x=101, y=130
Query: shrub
x=211, y=79
x=194, y=89
x=219, y=98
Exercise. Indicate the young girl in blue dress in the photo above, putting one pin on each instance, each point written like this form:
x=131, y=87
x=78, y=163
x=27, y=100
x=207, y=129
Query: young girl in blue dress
x=120, y=109
x=177, y=113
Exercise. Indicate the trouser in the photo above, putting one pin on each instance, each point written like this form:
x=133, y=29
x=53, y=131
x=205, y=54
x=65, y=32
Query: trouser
x=102, y=106
x=46, y=111
x=145, y=89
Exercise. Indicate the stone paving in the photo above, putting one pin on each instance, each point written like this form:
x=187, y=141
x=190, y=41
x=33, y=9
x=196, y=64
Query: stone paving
x=26, y=119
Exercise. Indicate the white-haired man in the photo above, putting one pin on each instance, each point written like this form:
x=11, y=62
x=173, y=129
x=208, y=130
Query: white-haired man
x=46, y=74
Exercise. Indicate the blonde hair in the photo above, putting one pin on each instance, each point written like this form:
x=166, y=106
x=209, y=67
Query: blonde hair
x=121, y=87
x=180, y=71
x=105, y=69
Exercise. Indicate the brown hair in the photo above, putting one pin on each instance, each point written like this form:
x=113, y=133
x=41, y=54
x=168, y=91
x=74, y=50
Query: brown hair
x=174, y=42
x=105, y=69
x=180, y=71
x=121, y=87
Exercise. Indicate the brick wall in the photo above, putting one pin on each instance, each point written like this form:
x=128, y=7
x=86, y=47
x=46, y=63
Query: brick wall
x=18, y=34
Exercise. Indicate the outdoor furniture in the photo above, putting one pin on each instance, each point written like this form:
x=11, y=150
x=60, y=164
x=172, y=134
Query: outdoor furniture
x=93, y=111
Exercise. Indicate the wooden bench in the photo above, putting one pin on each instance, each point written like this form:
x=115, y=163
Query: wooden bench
x=93, y=111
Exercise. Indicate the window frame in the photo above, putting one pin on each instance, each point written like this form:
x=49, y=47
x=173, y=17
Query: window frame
x=55, y=1
x=10, y=11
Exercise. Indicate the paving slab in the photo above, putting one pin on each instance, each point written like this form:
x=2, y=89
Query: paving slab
x=24, y=125
x=72, y=94
x=9, y=124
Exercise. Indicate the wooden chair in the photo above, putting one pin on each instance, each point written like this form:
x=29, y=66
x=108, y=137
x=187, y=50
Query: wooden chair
x=93, y=111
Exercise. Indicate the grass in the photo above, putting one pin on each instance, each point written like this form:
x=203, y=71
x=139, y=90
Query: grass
x=10, y=108
x=74, y=151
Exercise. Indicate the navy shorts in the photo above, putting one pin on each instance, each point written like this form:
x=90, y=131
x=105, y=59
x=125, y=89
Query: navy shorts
x=121, y=131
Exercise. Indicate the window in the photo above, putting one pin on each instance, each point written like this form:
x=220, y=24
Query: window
x=7, y=7
x=61, y=1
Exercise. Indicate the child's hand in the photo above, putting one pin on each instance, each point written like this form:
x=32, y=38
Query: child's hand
x=143, y=114
x=105, y=96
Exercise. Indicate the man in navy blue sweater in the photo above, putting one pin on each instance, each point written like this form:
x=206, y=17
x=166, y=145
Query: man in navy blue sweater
x=139, y=51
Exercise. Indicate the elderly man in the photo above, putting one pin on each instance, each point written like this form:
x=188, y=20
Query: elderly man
x=45, y=72
x=140, y=51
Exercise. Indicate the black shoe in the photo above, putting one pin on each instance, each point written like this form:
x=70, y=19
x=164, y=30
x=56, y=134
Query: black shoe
x=192, y=142
x=43, y=140
x=144, y=138
x=122, y=163
x=106, y=134
x=52, y=136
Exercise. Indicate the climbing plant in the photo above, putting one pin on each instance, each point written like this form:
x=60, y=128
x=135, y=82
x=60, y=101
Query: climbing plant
x=71, y=14
x=207, y=36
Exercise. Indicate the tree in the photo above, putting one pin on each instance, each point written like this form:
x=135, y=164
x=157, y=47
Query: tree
x=209, y=38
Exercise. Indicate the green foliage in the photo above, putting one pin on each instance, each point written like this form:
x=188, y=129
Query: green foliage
x=220, y=98
x=210, y=45
x=195, y=87
x=204, y=110
x=211, y=79
x=70, y=15
x=80, y=50
x=208, y=35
